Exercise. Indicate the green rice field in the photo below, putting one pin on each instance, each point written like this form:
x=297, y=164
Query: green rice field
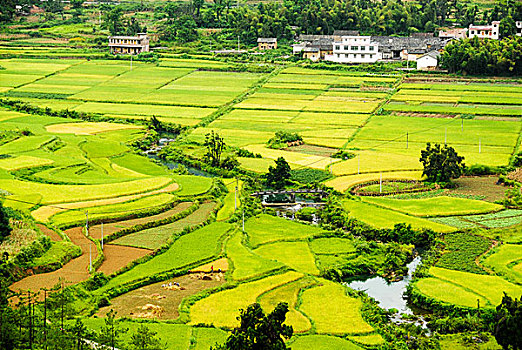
x=58, y=170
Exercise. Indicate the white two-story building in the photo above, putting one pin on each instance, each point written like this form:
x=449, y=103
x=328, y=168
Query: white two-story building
x=519, y=28
x=489, y=31
x=355, y=49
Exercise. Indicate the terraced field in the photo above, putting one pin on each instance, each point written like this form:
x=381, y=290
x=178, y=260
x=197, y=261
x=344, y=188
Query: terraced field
x=59, y=169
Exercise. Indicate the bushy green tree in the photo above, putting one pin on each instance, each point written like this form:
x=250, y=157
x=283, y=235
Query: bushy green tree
x=145, y=339
x=111, y=333
x=258, y=331
x=508, y=323
x=484, y=56
x=113, y=21
x=441, y=164
x=7, y=10
x=278, y=176
x=5, y=228
x=333, y=213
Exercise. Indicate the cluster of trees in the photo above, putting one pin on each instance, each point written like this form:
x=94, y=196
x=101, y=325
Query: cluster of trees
x=474, y=56
x=114, y=22
x=47, y=325
x=5, y=227
x=284, y=20
x=214, y=156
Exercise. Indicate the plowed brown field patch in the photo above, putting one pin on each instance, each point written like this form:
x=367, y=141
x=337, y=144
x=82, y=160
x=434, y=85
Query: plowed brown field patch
x=117, y=257
x=161, y=300
x=74, y=271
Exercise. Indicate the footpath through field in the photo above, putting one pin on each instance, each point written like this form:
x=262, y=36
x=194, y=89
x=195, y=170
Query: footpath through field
x=74, y=271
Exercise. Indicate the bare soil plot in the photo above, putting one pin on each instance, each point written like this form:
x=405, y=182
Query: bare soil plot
x=74, y=271
x=117, y=257
x=480, y=186
x=55, y=237
x=313, y=150
x=113, y=227
x=161, y=300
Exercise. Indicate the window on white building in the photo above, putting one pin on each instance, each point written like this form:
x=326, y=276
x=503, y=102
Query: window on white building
x=337, y=48
x=362, y=56
x=355, y=48
x=371, y=48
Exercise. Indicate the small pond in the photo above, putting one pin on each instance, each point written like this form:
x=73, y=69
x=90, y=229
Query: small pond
x=388, y=294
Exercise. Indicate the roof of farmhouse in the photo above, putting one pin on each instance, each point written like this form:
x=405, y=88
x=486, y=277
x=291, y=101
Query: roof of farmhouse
x=267, y=40
x=126, y=37
x=412, y=44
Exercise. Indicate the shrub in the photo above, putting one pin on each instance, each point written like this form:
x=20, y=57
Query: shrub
x=282, y=138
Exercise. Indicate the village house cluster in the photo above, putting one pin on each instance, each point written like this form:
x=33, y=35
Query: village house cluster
x=350, y=47
x=422, y=49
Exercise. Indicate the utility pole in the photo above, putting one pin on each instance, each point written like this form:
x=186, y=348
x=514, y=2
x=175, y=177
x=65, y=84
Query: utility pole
x=30, y=321
x=407, y=139
x=243, y=220
x=461, y=124
x=445, y=135
x=45, y=319
x=235, y=196
x=102, y=235
x=131, y=63
x=87, y=222
x=238, y=43
x=90, y=258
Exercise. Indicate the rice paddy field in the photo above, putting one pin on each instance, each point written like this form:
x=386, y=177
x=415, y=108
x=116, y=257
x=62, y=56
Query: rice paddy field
x=172, y=227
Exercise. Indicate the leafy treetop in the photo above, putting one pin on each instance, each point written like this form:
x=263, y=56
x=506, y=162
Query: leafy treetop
x=441, y=164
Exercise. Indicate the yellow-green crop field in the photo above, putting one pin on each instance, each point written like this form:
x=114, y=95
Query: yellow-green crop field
x=58, y=170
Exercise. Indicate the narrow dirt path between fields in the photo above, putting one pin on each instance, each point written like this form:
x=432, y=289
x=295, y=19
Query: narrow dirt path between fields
x=117, y=257
x=74, y=271
x=477, y=259
x=55, y=237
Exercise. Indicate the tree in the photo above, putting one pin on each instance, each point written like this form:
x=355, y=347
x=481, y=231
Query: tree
x=332, y=213
x=8, y=333
x=5, y=228
x=112, y=21
x=441, y=164
x=508, y=323
x=215, y=146
x=278, y=177
x=145, y=339
x=111, y=332
x=7, y=10
x=258, y=331
x=79, y=330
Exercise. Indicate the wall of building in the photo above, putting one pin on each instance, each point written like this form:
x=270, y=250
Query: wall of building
x=354, y=49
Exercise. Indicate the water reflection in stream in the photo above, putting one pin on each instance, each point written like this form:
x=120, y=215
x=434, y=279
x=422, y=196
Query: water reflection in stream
x=388, y=294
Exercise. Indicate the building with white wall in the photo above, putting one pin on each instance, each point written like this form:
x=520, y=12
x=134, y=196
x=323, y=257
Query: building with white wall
x=489, y=31
x=429, y=61
x=519, y=28
x=354, y=49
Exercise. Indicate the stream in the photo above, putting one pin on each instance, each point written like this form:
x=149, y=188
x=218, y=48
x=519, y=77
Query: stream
x=388, y=294
x=152, y=154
